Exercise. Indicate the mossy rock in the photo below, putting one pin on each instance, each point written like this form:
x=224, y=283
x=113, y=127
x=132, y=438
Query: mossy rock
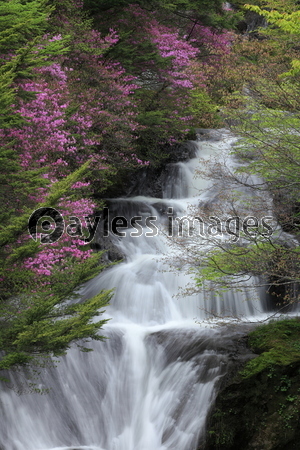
x=261, y=412
x=260, y=409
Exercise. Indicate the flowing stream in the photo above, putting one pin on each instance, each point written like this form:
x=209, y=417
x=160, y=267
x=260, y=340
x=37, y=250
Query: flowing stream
x=150, y=385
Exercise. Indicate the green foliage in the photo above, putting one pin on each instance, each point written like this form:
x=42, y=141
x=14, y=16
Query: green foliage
x=278, y=344
x=285, y=17
x=241, y=3
x=21, y=21
x=44, y=329
x=136, y=58
x=58, y=190
x=257, y=258
x=22, y=47
x=275, y=153
x=39, y=320
x=288, y=22
x=269, y=148
x=16, y=185
x=203, y=109
x=206, y=8
x=208, y=12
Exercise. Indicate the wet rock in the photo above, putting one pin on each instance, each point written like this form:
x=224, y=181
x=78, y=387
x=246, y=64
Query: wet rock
x=208, y=134
x=150, y=181
x=109, y=245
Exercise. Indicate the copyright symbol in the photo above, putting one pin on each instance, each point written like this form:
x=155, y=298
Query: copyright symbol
x=45, y=219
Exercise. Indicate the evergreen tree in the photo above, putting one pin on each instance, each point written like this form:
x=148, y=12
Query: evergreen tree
x=37, y=318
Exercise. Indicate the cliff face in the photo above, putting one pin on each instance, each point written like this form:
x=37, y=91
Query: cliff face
x=261, y=411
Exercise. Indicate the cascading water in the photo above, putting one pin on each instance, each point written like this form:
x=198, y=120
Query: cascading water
x=150, y=385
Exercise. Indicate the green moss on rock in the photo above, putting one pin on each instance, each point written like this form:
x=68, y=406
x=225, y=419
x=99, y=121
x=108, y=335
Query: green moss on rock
x=277, y=342
x=260, y=408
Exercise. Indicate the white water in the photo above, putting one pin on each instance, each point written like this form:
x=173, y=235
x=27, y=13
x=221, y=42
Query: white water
x=150, y=385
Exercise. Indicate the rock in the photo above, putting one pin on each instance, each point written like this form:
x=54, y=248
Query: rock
x=150, y=181
x=208, y=134
x=109, y=245
x=258, y=413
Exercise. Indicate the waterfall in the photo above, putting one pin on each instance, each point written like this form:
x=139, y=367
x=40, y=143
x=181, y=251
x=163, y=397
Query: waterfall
x=151, y=383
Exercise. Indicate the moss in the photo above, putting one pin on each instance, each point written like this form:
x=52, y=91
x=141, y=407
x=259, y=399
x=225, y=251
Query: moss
x=278, y=344
x=260, y=408
x=259, y=412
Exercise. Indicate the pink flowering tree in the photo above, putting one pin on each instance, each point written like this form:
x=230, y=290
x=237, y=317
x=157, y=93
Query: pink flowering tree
x=84, y=106
x=168, y=63
x=75, y=109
